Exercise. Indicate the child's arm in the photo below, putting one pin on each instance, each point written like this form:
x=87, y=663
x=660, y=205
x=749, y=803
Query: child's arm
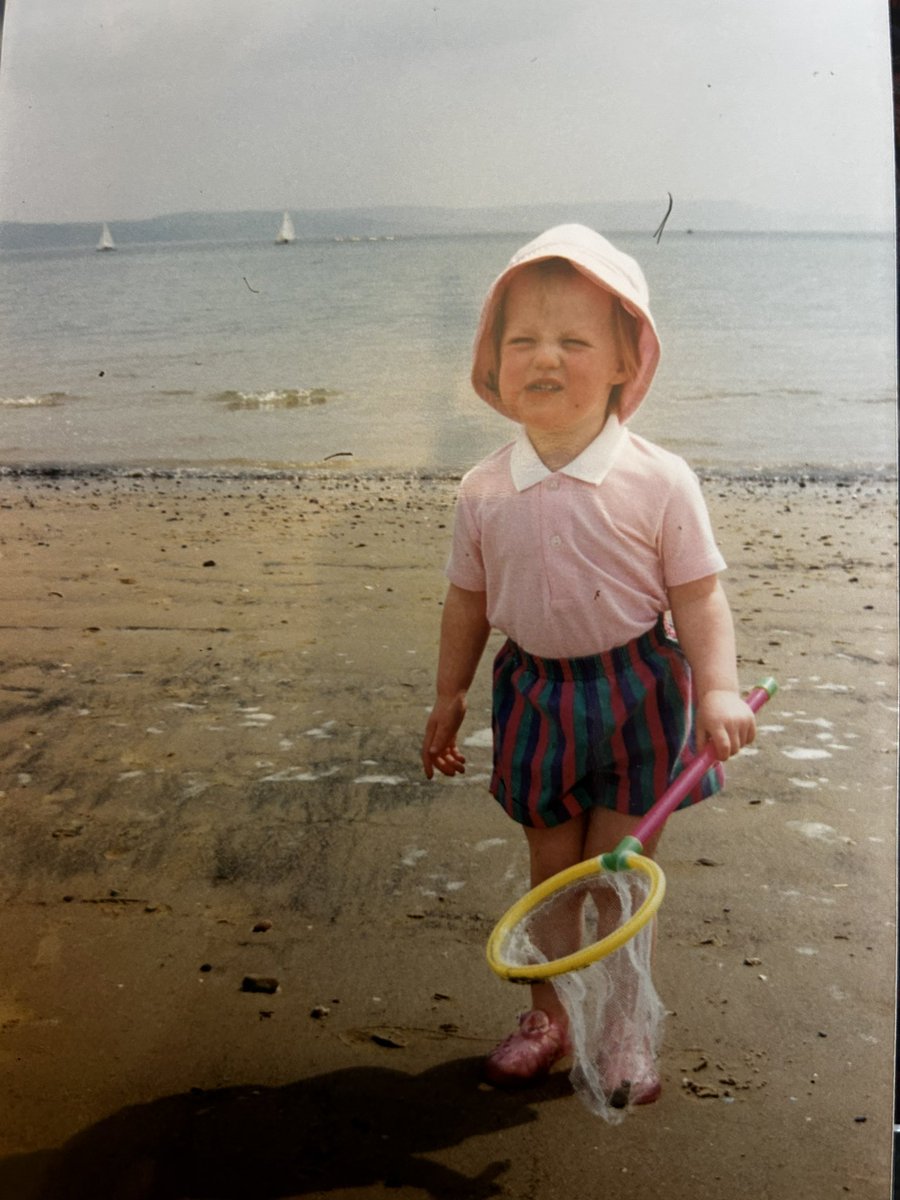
x=706, y=633
x=464, y=632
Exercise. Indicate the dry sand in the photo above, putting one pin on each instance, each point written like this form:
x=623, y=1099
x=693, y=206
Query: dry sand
x=212, y=697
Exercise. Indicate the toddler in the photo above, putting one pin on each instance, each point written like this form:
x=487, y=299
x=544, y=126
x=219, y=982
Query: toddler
x=576, y=541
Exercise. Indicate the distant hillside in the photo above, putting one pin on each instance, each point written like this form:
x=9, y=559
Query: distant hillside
x=409, y=221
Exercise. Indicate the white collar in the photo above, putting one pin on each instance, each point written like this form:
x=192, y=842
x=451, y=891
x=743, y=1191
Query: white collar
x=591, y=466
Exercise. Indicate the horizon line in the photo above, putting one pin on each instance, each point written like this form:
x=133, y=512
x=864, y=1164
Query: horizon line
x=787, y=222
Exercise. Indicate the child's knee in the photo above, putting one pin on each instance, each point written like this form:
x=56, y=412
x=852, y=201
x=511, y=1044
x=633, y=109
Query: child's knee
x=556, y=848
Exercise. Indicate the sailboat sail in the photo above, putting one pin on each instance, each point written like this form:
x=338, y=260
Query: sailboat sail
x=286, y=233
x=106, y=241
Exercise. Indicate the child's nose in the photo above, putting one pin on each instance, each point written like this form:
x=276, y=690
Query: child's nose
x=546, y=354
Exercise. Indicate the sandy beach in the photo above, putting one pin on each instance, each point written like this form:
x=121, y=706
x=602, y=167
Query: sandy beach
x=242, y=937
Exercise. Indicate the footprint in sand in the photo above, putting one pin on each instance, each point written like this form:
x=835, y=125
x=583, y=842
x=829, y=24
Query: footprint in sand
x=254, y=718
x=322, y=731
x=818, y=831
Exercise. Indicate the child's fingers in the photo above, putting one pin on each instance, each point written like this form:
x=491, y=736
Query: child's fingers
x=729, y=726
x=740, y=732
x=436, y=738
x=439, y=744
x=440, y=751
x=714, y=738
x=451, y=762
x=727, y=740
x=448, y=762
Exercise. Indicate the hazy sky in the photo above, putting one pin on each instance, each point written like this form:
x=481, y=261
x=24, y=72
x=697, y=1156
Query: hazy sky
x=124, y=108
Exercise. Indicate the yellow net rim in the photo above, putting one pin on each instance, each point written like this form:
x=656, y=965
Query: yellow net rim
x=528, y=972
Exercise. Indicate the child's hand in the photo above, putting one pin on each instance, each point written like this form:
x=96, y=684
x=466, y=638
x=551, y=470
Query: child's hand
x=727, y=721
x=439, y=747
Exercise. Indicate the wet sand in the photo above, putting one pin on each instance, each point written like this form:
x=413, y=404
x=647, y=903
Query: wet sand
x=211, y=702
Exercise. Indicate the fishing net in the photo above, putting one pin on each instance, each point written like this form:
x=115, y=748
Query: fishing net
x=615, y=1015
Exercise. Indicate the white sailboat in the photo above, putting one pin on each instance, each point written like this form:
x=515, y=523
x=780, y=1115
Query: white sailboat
x=106, y=240
x=286, y=233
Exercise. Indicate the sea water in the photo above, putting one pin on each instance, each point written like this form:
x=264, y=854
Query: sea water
x=778, y=353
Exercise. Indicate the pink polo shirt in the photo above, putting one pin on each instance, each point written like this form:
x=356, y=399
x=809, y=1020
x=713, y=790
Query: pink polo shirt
x=577, y=561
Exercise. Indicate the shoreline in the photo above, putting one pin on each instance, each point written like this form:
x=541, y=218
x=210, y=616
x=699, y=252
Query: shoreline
x=808, y=473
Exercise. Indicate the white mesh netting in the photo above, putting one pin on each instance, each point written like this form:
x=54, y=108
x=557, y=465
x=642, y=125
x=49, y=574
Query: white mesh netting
x=615, y=1015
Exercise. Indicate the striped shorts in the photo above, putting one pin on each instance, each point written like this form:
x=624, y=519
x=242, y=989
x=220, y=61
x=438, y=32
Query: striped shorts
x=610, y=730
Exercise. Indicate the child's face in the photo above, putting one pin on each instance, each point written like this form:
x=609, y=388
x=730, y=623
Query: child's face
x=559, y=357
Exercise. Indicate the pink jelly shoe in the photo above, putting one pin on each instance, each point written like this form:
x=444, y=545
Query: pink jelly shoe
x=639, y=1091
x=527, y=1055
x=628, y=1072
x=631, y=1080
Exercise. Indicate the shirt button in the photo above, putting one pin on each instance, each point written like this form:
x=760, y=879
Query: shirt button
x=556, y=540
x=554, y=485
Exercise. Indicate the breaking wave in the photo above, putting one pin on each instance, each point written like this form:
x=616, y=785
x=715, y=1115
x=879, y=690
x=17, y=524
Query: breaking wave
x=48, y=400
x=273, y=400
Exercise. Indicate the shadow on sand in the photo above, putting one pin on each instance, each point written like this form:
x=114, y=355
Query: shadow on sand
x=348, y=1129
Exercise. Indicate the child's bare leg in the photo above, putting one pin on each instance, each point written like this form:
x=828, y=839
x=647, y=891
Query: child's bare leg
x=552, y=851
x=623, y=1057
x=540, y=1041
x=605, y=829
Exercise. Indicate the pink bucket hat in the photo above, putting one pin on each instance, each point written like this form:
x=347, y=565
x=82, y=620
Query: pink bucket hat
x=604, y=265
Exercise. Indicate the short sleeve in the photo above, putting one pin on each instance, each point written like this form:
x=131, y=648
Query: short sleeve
x=688, y=549
x=465, y=566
